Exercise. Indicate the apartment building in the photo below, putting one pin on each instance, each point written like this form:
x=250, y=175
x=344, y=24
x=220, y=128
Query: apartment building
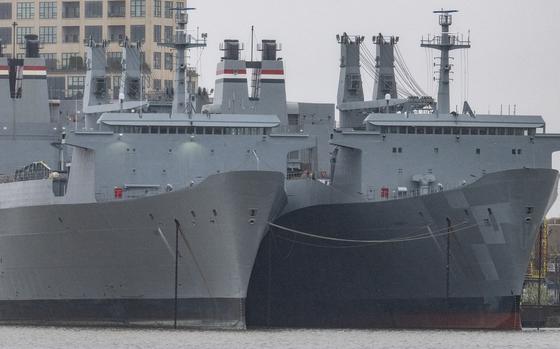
x=63, y=26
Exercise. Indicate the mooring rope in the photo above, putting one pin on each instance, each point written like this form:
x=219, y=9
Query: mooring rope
x=429, y=235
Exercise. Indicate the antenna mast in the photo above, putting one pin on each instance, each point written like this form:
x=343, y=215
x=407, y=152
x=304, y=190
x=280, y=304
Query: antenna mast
x=182, y=41
x=445, y=43
x=252, y=37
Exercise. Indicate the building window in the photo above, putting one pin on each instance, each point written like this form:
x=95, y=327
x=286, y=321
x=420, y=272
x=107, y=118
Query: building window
x=70, y=9
x=168, y=9
x=75, y=86
x=72, y=61
x=157, y=33
x=21, y=32
x=478, y=151
x=94, y=32
x=168, y=85
x=116, y=9
x=168, y=63
x=137, y=8
x=50, y=60
x=137, y=33
x=25, y=10
x=71, y=34
x=399, y=150
x=116, y=32
x=47, y=9
x=6, y=35
x=56, y=87
x=436, y=150
x=156, y=64
x=518, y=151
x=168, y=34
x=513, y=151
x=394, y=149
x=6, y=11
x=157, y=84
x=178, y=4
x=114, y=60
x=93, y=9
x=47, y=35
x=157, y=8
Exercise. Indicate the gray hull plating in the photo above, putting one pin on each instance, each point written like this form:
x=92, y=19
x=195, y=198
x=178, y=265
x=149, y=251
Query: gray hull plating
x=460, y=261
x=114, y=261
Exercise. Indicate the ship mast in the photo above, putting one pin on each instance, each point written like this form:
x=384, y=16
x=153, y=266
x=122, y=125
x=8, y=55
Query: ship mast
x=445, y=43
x=182, y=41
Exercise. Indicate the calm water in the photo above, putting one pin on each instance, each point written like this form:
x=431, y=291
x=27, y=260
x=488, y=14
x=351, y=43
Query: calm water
x=62, y=338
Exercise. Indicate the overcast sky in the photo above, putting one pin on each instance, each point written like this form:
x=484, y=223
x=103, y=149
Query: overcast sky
x=514, y=59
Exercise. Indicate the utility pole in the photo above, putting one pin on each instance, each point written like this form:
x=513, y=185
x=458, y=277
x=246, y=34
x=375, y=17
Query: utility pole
x=176, y=272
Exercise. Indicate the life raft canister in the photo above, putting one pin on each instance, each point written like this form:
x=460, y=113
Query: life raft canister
x=118, y=192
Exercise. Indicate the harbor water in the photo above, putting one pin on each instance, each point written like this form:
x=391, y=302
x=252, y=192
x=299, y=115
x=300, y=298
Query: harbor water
x=78, y=337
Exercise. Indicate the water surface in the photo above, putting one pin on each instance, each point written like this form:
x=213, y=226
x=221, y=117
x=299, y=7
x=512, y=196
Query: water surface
x=67, y=337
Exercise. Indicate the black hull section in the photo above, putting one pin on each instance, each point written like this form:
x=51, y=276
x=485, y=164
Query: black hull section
x=196, y=313
x=453, y=259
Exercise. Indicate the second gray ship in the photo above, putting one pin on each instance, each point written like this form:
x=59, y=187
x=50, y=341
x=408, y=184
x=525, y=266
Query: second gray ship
x=431, y=214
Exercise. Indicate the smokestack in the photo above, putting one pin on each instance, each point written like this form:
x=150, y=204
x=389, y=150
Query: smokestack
x=231, y=50
x=31, y=46
x=269, y=50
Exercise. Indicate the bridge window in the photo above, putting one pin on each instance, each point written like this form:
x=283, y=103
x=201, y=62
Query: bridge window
x=464, y=131
x=483, y=131
x=447, y=130
x=456, y=130
x=510, y=131
x=402, y=129
x=492, y=131
x=438, y=130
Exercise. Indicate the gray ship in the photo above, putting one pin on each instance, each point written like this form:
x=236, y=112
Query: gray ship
x=430, y=217
x=159, y=214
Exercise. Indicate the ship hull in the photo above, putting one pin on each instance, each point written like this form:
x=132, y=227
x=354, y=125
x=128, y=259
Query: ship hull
x=114, y=263
x=459, y=261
